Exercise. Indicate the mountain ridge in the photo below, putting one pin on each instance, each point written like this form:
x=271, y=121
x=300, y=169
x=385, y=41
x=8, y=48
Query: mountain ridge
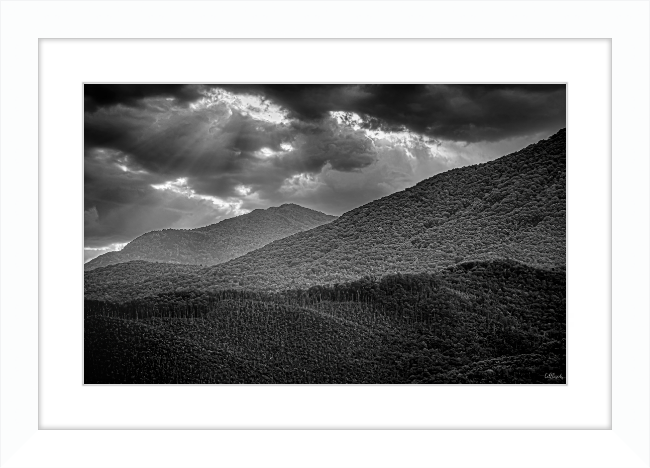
x=513, y=207
x=218, y=242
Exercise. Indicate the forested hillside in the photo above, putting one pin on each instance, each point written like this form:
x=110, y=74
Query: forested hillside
x=218, y=242
x=510, y=208
x=476, y=322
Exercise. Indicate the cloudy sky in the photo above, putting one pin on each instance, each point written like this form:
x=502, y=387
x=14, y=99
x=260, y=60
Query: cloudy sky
x=183, y=156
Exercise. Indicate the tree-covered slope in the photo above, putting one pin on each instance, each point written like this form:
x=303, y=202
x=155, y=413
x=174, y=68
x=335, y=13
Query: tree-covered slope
x=476, y=322
x=513, y=207
x=218, y=242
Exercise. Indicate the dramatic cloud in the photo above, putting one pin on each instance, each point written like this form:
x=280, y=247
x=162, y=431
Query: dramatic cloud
x=469, y=113
x=183, y=156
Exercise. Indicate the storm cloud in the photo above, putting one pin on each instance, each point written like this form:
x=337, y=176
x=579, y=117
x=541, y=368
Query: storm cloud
x=182, y=156
x=459, y=112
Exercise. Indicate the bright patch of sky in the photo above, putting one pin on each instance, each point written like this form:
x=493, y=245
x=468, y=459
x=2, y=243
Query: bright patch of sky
x=300, y=183
x=414, y=144
x=266, y=152
x=181, y=187
x=243, y=190
x=127, y=169
x=247, y=104
x=112, y=248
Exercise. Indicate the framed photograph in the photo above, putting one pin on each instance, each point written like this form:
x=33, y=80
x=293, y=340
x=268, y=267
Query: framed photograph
x=324, y=233
x=302, y=247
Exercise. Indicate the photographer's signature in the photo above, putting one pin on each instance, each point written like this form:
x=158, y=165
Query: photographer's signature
x=552, y=376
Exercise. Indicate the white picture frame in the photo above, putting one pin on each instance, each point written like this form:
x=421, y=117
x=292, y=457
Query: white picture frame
x=32, y=427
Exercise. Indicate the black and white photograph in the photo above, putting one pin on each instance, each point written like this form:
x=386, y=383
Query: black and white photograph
x=324, y=233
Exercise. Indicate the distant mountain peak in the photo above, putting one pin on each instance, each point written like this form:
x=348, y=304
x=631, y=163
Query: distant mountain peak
x=289, y=206
x=218, y=242
x=284, y=206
